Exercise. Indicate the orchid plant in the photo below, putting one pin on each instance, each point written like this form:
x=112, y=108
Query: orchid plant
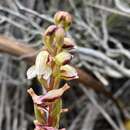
x=51, y=66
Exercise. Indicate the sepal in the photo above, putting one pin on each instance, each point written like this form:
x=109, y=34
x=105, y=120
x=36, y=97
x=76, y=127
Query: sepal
x=68, y=72
x=63, y=58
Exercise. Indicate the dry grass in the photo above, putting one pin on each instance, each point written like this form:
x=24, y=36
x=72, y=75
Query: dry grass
x=101, y=31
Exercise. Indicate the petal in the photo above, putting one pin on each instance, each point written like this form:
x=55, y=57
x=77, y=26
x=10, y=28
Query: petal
x=50, y=30
x=56, y=93
x=36, y=99
x=49, y=35
x=59, y=36
x=47, y=73
x=40, y=70
x=31, y=72
x=42, y=61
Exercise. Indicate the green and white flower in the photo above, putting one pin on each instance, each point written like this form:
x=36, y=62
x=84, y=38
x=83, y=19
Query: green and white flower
x=42, y=66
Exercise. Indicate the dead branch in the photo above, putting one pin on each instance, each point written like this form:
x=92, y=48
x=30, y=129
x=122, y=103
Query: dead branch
x=15, y=48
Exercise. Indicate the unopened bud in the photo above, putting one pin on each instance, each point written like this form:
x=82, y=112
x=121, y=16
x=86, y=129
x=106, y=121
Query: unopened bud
x=68, y=72
x=63, y=58
x=63, y=19
x=49, y=34
x=68, y=44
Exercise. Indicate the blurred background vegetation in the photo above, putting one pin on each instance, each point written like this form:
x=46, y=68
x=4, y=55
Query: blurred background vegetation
x=101, y=30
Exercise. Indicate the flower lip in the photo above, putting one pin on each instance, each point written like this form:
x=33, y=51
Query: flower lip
x=48, y=97
x=55, y=94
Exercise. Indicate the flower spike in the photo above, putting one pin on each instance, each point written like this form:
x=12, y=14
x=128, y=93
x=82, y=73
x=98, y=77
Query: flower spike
x=51, y=66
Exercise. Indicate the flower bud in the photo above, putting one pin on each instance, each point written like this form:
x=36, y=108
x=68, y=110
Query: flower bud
x=42, y=66
x=49, y=34
x=63, y=58
x=68, y=44
x=68, y=72
x=59, y=36
x=63, y=19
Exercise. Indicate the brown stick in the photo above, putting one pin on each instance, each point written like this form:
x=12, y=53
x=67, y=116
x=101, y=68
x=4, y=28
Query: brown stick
x=15, y=48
